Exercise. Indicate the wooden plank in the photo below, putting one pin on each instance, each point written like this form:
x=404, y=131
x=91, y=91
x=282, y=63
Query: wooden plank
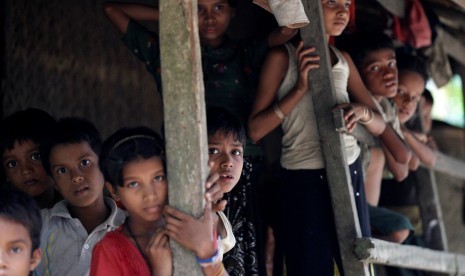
x=184, y=114
x=408, y=256
x=434, y=230
x=455, y=48
x=324, y=99
x=450, y=165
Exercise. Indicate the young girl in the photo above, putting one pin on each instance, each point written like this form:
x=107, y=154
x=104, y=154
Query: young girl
x=133, y=164
x=309, y=238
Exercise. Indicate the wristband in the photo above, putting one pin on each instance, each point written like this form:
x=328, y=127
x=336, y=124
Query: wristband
x=215, y=259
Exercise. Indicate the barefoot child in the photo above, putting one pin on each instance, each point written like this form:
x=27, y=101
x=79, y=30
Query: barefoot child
x=20, y=226
x=133, y=164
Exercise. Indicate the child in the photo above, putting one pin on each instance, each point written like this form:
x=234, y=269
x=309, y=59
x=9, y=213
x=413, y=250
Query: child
x=230, y=66
x=22, y=133
x=226, y=140
x=20, y=226
x=133, y=164
x=373, y=54
x=401, y=196
x=283, y=98
x=74, y=225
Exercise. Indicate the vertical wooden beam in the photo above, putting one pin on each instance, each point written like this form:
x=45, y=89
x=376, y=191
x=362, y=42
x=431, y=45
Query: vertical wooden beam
x=184, y=114
x=431, y=213
x=324, y=99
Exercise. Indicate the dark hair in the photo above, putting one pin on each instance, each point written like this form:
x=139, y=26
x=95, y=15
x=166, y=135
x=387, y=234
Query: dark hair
x=360, y=44
x=126, y=145
x=221, y=120
x=428, y=96
x=18, y=207
x=71, y=131
x=29, y=124
x=412, y=63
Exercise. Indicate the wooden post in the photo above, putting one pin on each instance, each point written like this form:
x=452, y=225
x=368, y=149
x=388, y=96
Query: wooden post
x=324, y=99
x=184, y=113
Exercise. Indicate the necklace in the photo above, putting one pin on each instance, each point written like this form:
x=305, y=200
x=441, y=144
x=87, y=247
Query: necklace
x=126, y=223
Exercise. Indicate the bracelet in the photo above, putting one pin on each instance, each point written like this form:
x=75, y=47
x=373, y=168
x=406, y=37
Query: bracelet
x=213, y=260
x=278, y=111
x=367, y=112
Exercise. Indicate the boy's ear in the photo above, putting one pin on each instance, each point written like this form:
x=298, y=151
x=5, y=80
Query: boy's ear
x=35, y=259
x=112, y=191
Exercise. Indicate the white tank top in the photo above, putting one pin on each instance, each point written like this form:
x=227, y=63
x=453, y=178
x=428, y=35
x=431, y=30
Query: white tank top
x=301, y=147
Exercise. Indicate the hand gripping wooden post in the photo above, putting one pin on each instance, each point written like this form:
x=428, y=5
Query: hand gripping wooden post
x=184, y=116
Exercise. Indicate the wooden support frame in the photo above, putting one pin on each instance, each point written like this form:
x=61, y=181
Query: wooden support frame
x=408, y=256
x=184, y=114
x=324, y=100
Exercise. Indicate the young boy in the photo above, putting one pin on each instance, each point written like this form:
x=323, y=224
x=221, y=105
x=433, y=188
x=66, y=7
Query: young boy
x=226, y=139
x=22, y=133
x=20, y=226
x=373, y=54
x=74, y=225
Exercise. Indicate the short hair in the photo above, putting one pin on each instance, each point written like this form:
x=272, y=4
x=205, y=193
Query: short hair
x=29, y=124
x=18, y=207
x=362, y=43
x=71, y=130
x=409, y=62
x=428, y=96
x=221, y=120
x=127, y=145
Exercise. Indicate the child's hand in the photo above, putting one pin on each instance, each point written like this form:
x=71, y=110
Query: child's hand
x=353, y=113
x=214, y=193
x=306, y=62
x=159, y=254
x=194, y=234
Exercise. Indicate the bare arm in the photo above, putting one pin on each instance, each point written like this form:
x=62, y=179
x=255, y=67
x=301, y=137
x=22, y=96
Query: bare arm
x=263, y=118
x=280, y=36
x=426, y=154
x=120, y=14
x=357, y=90
x=400, y=171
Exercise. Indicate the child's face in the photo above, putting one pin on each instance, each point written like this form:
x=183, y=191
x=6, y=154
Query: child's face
x=379, y=73
x=24, y=170
x=336, y=15
x=214, y=17
x=227, y=155
x=144, y=191
x=411, y=86
x=76, y=173
x=16, y=256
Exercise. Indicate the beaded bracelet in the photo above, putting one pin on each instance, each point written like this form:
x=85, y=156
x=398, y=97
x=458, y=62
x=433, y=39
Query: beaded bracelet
x=278, y=111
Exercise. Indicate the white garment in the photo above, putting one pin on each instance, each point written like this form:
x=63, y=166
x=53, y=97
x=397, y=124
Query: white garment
x=228, y=242
x=301, y=148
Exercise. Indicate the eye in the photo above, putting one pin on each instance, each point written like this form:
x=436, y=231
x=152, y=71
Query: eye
x=347, y=5
x=132, y=184
x=236, y=152
x=61, y=170
x=200, y=10
x=331, y=3
x=159, y=178
x=36, y=156
x=213, y=151
x=16, y=250
x=374, y=68
x=392, y=64
x=219, y=8
x=11, y=164
x=85, y=162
